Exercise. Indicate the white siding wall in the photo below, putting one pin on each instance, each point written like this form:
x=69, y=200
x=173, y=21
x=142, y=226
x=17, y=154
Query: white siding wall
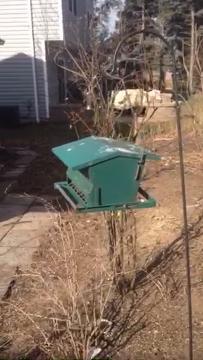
x=51, y=19
x=16, y=80
x=16, y=55
x=47, y=25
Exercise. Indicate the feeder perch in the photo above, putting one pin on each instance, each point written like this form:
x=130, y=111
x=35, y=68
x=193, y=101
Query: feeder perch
x=103, y=174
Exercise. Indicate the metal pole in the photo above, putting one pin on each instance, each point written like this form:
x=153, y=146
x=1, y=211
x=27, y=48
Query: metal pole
x=34, y=70
x=184, y=205
x=182, y=174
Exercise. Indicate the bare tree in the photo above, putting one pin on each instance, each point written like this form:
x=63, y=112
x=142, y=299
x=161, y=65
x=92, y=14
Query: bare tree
x=192, y=50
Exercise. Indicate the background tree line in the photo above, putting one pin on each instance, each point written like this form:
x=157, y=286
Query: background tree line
x=180, y=21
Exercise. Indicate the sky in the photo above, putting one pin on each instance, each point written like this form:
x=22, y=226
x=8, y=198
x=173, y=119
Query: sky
x=113, y=16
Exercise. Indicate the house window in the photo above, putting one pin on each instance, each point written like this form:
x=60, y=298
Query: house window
x=73, y=6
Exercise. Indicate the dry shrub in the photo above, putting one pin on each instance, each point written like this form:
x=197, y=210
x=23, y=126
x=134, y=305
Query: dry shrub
x=192, y=113
x=196, y=104
x=122, y=242
x=69, y=304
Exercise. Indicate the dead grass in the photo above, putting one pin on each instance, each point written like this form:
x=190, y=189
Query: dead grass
x=69, y=304
x=191, y=119
x=192, y=114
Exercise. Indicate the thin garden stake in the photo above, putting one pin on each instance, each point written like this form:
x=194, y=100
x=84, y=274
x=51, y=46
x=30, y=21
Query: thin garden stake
x=184, y=201
x=182, y=172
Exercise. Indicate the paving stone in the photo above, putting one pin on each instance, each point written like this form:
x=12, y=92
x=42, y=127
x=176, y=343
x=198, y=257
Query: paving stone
x=12, y=208
x=21, y=231
x=19, y=148
x=26, y=152
x=6, y=186
x=9, y=215
x=17, y=199
x=22, y=166
x=13, y=173
x=18, y=239
x=25, y=160
x=36, y=218
x=7, y=275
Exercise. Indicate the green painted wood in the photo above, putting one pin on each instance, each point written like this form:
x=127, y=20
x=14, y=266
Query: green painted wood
x=93, y=150
x=103, y=174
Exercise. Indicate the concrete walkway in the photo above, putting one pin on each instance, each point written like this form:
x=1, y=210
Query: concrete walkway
x=23, y=219
x=9, y=178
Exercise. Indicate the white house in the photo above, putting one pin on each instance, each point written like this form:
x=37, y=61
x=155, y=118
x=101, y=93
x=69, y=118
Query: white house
x=29, y=78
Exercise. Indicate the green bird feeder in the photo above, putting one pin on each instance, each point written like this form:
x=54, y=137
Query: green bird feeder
x=103, y=174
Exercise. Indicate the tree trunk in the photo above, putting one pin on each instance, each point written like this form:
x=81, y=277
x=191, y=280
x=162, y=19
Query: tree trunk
x=161, y=72
x=192, y=50
x=143, y=22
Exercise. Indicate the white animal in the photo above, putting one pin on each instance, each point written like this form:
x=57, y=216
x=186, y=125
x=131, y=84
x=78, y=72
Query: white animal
x=133, y=98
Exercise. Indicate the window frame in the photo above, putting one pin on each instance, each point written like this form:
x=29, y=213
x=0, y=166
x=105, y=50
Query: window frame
x=70, y=3
x=73, y=8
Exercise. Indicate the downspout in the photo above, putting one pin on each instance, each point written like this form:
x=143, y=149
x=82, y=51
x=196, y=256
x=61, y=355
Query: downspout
x=34, y=71
x=46, y=84
x=63, y=35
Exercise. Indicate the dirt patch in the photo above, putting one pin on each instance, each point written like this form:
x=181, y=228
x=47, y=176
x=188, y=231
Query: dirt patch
x=38, y=179
x=39, y=300
x=38, y=310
